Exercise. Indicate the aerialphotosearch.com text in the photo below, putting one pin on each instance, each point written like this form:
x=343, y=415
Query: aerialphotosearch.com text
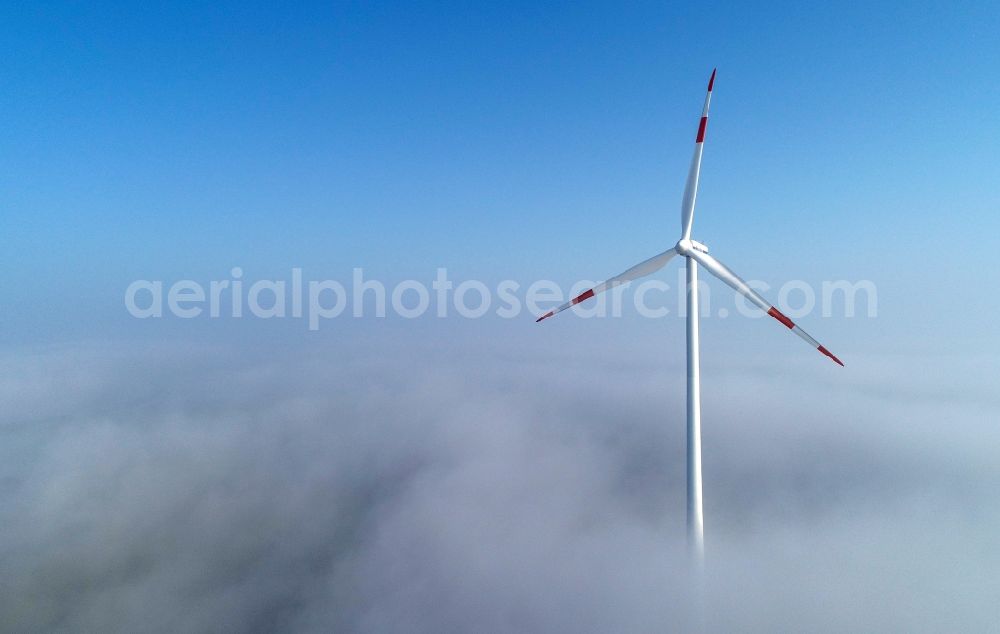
x=316, y=301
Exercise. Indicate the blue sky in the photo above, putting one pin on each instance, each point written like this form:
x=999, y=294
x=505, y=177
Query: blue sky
x=502, y=141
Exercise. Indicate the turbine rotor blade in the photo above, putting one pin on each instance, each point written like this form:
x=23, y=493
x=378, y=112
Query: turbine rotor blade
x=724, y=273
x=691, y=187
x=642, y=269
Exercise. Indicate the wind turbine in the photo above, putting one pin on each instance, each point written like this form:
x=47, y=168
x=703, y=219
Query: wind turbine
x=695, y=253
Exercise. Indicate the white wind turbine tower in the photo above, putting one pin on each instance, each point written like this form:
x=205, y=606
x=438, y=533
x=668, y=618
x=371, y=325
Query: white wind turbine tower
x=695, y=253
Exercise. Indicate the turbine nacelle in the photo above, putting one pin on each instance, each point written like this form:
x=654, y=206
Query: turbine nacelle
x=685, y=246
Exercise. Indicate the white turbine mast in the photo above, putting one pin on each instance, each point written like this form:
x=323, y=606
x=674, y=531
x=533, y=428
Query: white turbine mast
x=695, y=253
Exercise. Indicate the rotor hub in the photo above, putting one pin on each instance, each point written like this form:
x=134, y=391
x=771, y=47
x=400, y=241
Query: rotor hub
x=685, y=247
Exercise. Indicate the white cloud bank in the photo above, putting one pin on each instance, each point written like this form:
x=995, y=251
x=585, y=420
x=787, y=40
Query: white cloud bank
x=205, y=491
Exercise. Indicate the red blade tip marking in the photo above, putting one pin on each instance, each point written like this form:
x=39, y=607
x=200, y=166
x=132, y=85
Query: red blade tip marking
x=701, y=130
x=774, y=312
x=548, y=314
x=831, y=355
x=583, y=296
x=711, y=81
